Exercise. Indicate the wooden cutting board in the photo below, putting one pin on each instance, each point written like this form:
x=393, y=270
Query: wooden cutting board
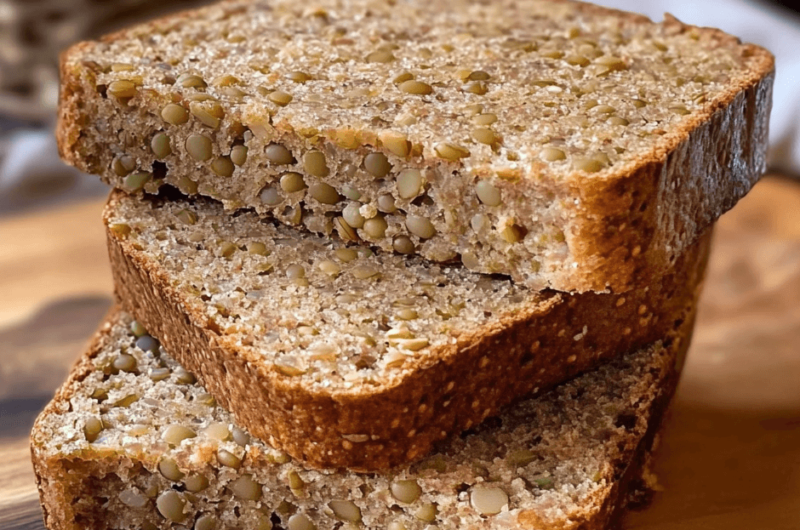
x=730, y=450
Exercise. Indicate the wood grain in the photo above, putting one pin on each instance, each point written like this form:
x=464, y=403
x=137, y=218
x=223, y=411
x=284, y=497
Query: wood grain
x=730, y=450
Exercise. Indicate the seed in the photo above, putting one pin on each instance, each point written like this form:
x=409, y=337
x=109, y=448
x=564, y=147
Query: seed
x=402, y=78
x=520, y=458
x=414, y=344
x=577, y=60
x=122, y=165
x=420, y=227
x=552, y=154
x=362, y=272
x=324, y=193
x=479, y=75
x=589, y=165
x=488, y=500
x=346, y=254
x=281, y=98
x=246, y=488
x=133, y=498
x=409, y=183
x=613, y=63
x=350, y=192
x=159, y=374
x=240, y=436
x=403, y=245
x=295, y=271
x=344, y=229
x=136, y=181
x=279, y=155
x=512, y=234
x=300, y=521
x=191, y=81
x=239, y=155
x=484, y=135
x=680, y=109
x=315, y=164
x=470, y=261
x=222, y=166
x=386, y=203
x=147, y=343
x=639, y=103
x=270, y=196
x=377, y=165
x=376, y=227
x=450, y=151
x=604, y=109
x=122, y=89
x=199, y=147
x=380, y=56
x=345, y=510
x=209, y=114
x=206, y=399
x=170, y=504
x=415, y=87
x=292, y=182
x=227, y=249
x=138, y=329
x=187, y=185
x=396, y=143
x=484, y=119
x=121, y=67
x=476, y=87
x=92, y=429
x=218, y=431
x=295, y=482
x=352, y=215
x=187, y=217
x=205, y=522
x=123, y=230
x=226, y=80
x=125, y=362
x=329, y=267
x=196, y=483
x=298, y=77
x=406, y=491
x=174, y=114
x=175, y=434
x=616, y=120
x=226, y=458
x=488, y=194
x=396, y=525
x=426, y=512
x=169, y=469
x=160, y=146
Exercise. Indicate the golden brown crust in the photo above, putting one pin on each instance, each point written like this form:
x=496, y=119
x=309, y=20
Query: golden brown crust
x=450, y=390
x=628, y=226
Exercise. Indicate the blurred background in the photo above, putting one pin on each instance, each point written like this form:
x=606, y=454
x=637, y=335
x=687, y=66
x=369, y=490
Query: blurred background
x=730, y=456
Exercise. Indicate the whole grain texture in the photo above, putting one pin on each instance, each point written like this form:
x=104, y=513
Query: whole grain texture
x=566, y=145
x=342, y=356
x=145, y=448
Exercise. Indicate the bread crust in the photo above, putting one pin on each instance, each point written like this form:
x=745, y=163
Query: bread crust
x=625, y=227
x=64, y=480
x=450, y=389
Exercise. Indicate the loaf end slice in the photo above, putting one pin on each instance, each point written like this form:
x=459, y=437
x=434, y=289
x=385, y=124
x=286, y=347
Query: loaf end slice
x=292, y=332
x=569, y=146
x=131, y=441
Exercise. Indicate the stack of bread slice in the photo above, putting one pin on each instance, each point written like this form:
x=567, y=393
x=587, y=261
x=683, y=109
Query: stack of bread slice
x=392, y=265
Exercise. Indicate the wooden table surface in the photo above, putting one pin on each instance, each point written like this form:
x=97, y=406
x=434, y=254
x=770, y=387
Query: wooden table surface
x=730, y=450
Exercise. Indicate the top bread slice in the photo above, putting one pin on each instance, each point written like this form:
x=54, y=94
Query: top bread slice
x=347, y=358
x=566, y=145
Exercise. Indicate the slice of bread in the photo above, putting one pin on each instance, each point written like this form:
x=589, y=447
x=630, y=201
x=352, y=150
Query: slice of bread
x=569, y=146
x=344, y=357
x=132, y=442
